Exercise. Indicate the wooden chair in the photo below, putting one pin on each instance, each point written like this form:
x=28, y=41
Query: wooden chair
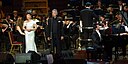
x=15, y=46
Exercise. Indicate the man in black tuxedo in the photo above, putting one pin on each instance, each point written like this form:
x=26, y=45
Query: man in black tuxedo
x=55, y=32
x=97, y=41
x=87, y=16
x=96, y=36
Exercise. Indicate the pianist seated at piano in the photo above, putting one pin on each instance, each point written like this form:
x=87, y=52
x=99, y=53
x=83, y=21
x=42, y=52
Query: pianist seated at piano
x=97, y=41
x=120, y=30
x=103, y=22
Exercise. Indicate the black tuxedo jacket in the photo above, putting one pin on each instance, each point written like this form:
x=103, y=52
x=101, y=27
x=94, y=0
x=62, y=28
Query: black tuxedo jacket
x=95, y=37
x=87, y=16
x=58, y=27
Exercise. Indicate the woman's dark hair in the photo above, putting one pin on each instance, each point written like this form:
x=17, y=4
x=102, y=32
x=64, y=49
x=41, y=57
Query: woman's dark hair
x=26, y=15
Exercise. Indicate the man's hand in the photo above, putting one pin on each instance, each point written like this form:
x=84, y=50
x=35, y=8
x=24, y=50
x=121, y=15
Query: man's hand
x=49, y=38
x=62, y=37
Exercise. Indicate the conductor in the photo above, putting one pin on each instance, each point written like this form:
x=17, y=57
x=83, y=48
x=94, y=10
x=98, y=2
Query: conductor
x=87, y=17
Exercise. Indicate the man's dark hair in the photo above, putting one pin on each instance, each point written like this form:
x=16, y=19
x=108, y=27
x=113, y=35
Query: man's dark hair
x=87, y=4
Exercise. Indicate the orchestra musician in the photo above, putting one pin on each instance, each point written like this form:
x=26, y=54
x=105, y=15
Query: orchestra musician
x=99, y=8
x=20, y=32
x=74, y=33
x=14, y=17
x=124, y=14
x=97, y=41
x=3, y=28
x=110, y=13
x=120, y=27
x=113, y=39
x=67, y=39
x=7, y=21
x=19, y=25
x=120, y=5
x=103, y=22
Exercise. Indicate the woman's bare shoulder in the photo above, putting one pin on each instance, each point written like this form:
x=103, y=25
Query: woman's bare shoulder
x=25, y=21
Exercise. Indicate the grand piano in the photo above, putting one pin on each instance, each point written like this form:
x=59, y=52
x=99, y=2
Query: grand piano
x=114, y=38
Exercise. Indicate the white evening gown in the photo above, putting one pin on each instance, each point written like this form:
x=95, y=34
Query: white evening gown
x=30, y=37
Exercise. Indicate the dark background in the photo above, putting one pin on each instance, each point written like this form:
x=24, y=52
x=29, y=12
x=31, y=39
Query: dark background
x=10, y=5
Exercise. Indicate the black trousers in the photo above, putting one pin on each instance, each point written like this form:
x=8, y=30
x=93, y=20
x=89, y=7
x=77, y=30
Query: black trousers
x=123, y=43
x=5, y=39
x=86, y=33
x=56, y=44
x=66, y=44
x=108, y=45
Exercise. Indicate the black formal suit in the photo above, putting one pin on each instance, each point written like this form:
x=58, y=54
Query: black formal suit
x=97, y=44
x=74, y=33
x=55, y=31
x=96, y=39
x=67, y=39
x=5, y=36
x=14, y=18
x=124, y=14
x=87, y=15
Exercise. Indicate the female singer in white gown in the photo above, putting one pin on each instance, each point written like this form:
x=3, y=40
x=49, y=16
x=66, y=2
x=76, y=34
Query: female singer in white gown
x=29, y=27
